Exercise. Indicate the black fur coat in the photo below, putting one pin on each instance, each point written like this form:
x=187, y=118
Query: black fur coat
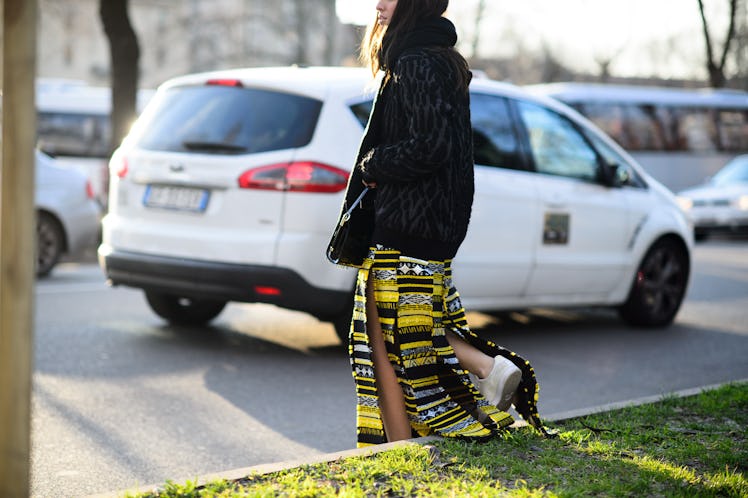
x=418, y=149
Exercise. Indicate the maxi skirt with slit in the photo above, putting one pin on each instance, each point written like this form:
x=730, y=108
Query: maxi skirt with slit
x=417, y=304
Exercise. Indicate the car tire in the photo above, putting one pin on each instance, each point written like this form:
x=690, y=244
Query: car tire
x=179, y=310
x=659, y=286
x=50, y=243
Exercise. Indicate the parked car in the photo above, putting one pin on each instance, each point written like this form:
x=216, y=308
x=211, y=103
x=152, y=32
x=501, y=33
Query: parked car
x=67, y=215
x=721, y=204
x=227, y=187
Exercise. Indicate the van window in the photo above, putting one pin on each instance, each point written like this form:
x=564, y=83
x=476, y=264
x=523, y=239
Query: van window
x=659, y=127
x=733, y=130
x=73, y=118
x=73, y=134
x=227, y=120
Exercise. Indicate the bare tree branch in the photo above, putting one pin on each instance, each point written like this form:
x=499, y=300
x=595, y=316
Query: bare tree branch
x=476, y=35
x=716, y=71
x=730, y=33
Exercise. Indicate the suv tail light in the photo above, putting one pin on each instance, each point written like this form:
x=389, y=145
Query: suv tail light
x=120, y=169
x=302, y=176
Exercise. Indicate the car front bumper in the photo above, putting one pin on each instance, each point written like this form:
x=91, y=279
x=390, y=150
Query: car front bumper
x=221, y=281
x=719, y=218
x=714, y=225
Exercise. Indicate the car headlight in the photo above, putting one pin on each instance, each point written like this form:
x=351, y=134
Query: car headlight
x=742, y=203
x=685, y=203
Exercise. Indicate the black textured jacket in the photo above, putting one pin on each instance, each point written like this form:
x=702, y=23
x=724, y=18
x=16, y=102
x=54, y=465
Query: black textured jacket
x=418, y=148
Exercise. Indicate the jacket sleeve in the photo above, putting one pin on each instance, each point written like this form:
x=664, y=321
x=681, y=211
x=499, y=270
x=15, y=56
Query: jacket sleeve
x=424, y=96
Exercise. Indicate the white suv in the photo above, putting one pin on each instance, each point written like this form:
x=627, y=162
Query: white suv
x=229, y=184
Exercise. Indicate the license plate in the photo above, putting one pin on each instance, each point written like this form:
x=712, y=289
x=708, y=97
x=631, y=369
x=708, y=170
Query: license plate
x=177, y=198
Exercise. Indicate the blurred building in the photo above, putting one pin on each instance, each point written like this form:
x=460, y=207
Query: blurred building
x=183, y=36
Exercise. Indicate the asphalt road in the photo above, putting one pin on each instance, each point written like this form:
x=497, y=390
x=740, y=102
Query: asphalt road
x=122, y=400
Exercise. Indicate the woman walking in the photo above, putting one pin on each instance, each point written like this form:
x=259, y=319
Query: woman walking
x=418, y=368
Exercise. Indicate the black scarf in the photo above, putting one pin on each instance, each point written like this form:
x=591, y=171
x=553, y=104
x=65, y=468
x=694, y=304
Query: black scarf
x=430, y=32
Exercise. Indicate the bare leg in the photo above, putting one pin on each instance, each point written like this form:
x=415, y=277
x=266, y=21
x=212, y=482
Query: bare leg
x=472, y=359
x=391, y=399
x=498, y=378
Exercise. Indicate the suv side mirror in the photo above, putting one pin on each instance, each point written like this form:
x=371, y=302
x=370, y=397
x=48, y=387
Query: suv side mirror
x=612, y=175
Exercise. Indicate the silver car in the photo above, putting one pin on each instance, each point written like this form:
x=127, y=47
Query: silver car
x=68, y=216
x=721, y=204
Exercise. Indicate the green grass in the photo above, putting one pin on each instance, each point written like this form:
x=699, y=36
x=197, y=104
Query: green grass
x=690, y=447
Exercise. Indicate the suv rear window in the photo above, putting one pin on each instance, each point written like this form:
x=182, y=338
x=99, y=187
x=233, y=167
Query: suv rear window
x=362, y=111
x=228, y=120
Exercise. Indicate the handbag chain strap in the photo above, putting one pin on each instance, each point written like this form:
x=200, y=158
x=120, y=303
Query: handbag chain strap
x=347, y=215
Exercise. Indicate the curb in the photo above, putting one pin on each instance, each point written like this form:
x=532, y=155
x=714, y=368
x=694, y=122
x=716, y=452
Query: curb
x=583, y=412
x=268, y=468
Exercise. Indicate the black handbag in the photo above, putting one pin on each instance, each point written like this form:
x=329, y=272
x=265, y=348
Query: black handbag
x=351, y=238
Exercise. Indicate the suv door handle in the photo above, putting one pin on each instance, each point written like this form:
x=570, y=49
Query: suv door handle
x=556, y=204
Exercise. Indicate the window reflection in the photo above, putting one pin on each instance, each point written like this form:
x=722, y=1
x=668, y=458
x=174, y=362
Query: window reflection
x=494, y=138
x=73, y=134
x=557, y=147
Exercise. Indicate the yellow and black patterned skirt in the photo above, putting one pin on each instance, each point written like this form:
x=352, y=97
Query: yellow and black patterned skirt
x=417, y=304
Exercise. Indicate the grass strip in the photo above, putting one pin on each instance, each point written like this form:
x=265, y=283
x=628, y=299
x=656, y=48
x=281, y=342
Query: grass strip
x=690, y=447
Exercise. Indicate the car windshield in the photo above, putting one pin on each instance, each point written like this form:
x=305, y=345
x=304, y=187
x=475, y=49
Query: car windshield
x=217, y=119
x=735, y=172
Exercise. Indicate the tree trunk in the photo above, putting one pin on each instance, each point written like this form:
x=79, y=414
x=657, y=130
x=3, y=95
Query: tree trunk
x=332, y=32
x=302, y=23
x=478, y=21
x=124, y=54
x=17, y=229
x=740, y=54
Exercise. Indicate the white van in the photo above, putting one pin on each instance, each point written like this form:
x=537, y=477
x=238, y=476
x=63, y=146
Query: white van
x=229, y=185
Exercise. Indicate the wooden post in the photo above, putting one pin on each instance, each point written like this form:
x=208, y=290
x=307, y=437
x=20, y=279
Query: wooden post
x=17, y=233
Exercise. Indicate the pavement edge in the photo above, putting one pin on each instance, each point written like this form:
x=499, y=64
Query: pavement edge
x=268, y=468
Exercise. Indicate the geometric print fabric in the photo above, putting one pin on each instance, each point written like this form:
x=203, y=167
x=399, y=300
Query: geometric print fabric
x=417, y=304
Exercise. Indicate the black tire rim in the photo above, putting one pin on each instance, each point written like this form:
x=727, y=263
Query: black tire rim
x=48, y=245
x=661, y=281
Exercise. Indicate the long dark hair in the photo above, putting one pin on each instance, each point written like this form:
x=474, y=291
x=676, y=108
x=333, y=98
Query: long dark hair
x=379, y=39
